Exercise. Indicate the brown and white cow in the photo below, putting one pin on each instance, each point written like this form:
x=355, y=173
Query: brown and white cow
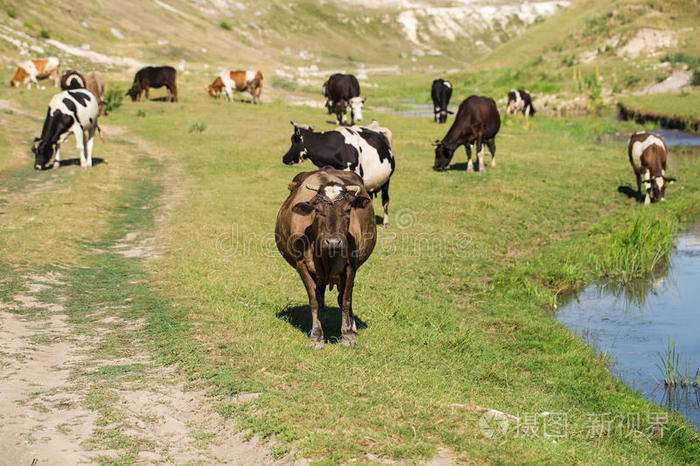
x=647, y=153
x=250, y=81
x=31, y=71
x=326, y=231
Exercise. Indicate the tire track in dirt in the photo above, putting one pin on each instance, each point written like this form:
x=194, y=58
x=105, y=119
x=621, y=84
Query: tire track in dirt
x=65, y=399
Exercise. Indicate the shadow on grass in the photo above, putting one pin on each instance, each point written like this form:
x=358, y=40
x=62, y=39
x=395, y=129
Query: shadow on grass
x=76, y=161
x=629, y=192
x=300, y=317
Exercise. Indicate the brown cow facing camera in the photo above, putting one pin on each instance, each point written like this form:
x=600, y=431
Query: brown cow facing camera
x=326, y=230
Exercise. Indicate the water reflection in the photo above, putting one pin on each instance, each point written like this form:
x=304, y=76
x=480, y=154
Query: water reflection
x=634, y=325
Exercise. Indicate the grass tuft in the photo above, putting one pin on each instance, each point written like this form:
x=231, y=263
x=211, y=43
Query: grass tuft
x=197, y=126
x=225, y=24
x=44, y=34
x=639, y=250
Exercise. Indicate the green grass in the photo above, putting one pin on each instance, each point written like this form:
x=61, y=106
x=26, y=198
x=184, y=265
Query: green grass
x=456, y=306
x=683, y=105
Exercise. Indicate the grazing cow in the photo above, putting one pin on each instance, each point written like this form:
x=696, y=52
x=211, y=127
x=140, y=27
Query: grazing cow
x=477, y=121
x=250, y=81
x=441, y=93
x=72, y=111
x=95, y=83
x=72, y=79
x=359, y=149
x=343, y=90
x=647, y=153
x=31, y=70
x=326, y=231
x=154, y=77
x=520, y=101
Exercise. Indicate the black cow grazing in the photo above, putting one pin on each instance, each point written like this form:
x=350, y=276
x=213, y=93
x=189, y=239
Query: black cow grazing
x=342, y=91
x=72, y=79
x=647, y=153
x=326, y=230
x=362, y=150
x=477, y=121
x=73, y=111
x=520, y=101
x=154, y=77
x=441, y=93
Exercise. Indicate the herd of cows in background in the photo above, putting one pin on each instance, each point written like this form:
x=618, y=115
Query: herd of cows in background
x=326, y=227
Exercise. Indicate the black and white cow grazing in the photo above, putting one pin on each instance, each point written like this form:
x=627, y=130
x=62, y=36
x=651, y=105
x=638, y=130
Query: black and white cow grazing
x=343, y=90
x=362, y=150
x=441, y=93
x=477, y=121
x=72, y=111
x=520, y=101
x=647, y=153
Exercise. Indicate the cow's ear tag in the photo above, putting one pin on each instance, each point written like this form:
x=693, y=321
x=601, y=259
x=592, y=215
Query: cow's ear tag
x=672, y=181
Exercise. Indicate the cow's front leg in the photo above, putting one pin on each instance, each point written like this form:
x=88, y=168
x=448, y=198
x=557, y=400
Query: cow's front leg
x=90, y=143
x=316, y=335
x=348, y=328
x=57, y=159
x=470, y=166
x=80, y=144
x=639, y=185
x=480, y=155
x=647, y=187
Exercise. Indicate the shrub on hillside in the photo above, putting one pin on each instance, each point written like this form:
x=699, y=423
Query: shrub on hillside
x=113, y=98
x=12, y=13
x=44, y=34
x=225, y=24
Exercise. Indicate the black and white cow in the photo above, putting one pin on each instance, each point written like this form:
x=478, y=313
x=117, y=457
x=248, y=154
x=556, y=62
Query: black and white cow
x=477, y=122
x=441, y=93
x=520, y=101
x=343, y=90
x=72, y=111
x=362, y=150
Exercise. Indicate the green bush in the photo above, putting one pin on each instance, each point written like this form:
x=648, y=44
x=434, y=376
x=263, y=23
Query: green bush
x=631, y=80
x=12, y=13
x=225, y=24
x=28, y=24
x=113, y=98
x=44, y=34
x=695, y=80
x=140, y=113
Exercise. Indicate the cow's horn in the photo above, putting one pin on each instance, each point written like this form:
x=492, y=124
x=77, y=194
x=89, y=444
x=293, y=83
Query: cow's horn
x=312, y=187
x=353, y=189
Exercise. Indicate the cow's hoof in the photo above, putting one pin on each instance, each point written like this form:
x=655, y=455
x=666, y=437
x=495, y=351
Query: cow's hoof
x=56, y=164
x=470, y=168
x=349, y=340
x=37, y=167
x=317, y=345
x=493, y=163
x=386, y=225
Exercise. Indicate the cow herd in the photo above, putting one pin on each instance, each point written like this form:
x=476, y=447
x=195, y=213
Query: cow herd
x=326, y=228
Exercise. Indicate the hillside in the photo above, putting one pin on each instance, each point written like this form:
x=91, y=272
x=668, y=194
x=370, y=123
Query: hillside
x=298, y=37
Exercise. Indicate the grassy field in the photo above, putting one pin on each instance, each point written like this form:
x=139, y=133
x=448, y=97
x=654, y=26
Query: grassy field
x=454, y=305
x=681, y=105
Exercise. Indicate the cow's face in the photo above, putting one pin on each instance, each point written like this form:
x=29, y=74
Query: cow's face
x=43, y=152
x=297, y=153
x=356, y=107
x=658, y=187
x=443, y=156
x=14, y=84
x=133, y=93
x=442, y=116
x=331, y=208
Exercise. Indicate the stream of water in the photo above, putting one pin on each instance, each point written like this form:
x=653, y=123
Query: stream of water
x=635, y=325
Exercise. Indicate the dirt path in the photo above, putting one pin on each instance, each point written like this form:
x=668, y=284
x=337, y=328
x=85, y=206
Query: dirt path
x=78, y=380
